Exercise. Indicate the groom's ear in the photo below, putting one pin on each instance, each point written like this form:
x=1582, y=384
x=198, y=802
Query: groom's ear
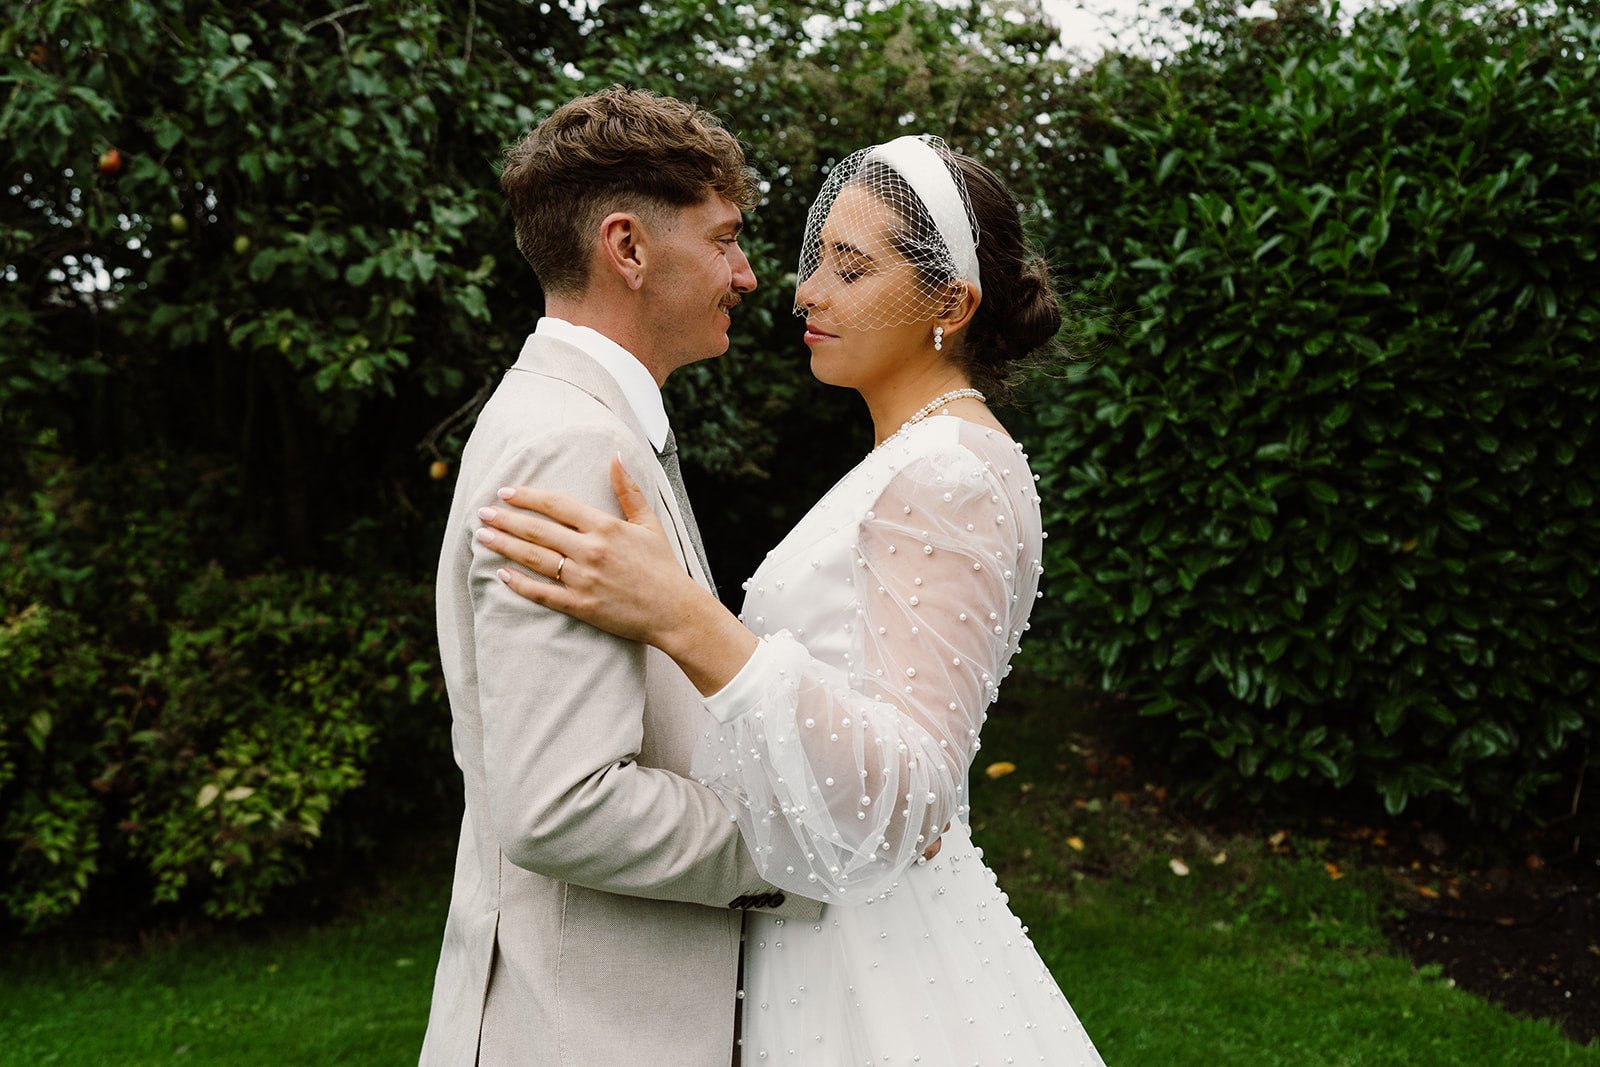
x=622, y=247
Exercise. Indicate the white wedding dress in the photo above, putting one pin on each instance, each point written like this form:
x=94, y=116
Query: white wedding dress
x=888, y=617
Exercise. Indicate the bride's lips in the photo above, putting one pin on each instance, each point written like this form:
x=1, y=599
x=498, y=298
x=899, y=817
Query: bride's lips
x=815, y=336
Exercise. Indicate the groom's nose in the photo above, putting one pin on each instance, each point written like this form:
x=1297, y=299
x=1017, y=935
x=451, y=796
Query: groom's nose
x=744, y=279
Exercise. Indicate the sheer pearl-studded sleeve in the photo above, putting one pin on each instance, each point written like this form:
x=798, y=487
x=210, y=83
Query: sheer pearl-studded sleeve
x=841, y=773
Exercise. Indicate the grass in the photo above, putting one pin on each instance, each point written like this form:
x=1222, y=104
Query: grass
x=352, y=991
x=1261, y=959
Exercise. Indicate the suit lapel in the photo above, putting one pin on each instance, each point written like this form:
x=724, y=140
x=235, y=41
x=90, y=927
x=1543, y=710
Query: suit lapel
x=566, y=363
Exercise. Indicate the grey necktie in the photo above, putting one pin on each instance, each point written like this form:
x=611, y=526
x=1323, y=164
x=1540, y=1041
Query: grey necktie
x=669, y=463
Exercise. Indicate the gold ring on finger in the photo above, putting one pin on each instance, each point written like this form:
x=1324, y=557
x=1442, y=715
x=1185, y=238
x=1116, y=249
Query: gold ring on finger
x=563, y=563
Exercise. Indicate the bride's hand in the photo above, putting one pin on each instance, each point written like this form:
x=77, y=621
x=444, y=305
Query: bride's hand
x=617, y=574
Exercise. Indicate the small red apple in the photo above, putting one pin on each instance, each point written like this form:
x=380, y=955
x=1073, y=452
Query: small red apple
x=438, y=470
x=110, y=161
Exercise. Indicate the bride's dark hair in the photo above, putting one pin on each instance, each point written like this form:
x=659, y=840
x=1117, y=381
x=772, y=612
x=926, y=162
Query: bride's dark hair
x=1020, y=314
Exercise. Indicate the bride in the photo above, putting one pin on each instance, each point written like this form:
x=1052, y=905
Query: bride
x=846, y=701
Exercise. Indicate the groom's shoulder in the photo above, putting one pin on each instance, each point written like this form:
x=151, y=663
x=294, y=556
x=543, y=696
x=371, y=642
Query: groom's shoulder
x=539, y=420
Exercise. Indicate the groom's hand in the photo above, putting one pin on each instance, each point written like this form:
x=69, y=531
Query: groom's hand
x=933, y=849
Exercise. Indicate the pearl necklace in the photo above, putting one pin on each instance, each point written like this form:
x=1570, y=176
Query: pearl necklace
x=929, y=408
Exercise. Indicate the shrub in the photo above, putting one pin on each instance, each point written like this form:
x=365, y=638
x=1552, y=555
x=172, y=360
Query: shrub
x=49, y=677
x=1324, y=500
x=201, y=740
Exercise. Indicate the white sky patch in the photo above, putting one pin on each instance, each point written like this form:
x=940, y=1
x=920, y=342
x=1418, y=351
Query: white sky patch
x=1089, y=27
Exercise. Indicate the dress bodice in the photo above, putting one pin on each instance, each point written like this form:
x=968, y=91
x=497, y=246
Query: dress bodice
x=806, y=585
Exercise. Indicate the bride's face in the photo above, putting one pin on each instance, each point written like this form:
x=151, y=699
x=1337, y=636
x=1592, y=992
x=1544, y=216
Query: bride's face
x=869, y=314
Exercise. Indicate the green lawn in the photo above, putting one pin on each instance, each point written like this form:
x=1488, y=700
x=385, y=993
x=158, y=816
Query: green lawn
x=1256, y=960
x=354, y=991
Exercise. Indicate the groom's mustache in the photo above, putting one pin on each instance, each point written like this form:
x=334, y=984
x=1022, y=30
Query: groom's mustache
x=731, y=301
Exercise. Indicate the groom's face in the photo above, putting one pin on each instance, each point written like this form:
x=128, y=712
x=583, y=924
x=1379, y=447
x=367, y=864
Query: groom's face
x=699, y=273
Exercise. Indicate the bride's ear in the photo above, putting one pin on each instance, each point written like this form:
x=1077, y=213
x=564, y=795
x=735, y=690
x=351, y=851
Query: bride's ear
x=961, y=303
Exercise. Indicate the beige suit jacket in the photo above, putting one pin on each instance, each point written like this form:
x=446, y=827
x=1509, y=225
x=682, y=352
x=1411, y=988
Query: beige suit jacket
x=594, y=917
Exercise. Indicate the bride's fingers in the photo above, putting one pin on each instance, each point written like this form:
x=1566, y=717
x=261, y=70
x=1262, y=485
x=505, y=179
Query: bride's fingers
x=557, y=506
x=527, y=526
x=538, y=558
x=549, y=594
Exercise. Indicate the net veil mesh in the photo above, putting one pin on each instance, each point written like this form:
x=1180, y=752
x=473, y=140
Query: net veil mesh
x=889, y=239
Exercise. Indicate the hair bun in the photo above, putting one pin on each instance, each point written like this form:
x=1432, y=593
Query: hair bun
x=1016, y=323
x=1036, y=316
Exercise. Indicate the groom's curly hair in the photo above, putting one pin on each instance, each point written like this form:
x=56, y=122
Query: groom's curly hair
x=616, y=150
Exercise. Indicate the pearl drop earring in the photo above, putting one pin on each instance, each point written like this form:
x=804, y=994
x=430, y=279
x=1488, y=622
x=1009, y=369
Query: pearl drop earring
x=938, y=338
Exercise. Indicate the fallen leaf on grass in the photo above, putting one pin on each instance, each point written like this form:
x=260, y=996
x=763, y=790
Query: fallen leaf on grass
x=999, y=770
x=1278, y=838
x=1179, y=868
x=1333, y=871
x=1219, y=859
x=1075, y=843
x=1427, y=891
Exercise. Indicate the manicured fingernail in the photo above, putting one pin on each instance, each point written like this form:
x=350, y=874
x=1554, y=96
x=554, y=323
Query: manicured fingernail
x=506, y=493
x=504, y=575
x=485, y=535
x=487, y=514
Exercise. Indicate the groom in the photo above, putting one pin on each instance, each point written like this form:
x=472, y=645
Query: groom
x=596, y=912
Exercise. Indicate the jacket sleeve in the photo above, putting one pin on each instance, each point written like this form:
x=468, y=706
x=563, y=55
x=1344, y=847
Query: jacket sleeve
x=563, y=707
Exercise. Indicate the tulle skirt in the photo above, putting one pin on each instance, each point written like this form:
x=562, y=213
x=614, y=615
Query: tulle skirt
x=936, y=972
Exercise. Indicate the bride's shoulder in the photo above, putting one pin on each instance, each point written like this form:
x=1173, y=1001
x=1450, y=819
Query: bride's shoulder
x=961, y=444
x=946, y=452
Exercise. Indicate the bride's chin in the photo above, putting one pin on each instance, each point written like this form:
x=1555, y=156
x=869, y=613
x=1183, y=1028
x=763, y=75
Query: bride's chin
x=826, y=370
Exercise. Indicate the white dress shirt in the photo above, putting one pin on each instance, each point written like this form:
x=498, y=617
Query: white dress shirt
x=638, y=387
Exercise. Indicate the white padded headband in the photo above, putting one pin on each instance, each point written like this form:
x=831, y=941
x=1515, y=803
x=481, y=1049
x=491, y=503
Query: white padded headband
x=924, y=169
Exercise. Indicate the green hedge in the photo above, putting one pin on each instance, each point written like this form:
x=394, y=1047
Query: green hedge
x=194, y=741
x=1324, y=497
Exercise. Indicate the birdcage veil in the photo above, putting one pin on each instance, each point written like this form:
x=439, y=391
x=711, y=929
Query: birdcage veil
x=897, y=214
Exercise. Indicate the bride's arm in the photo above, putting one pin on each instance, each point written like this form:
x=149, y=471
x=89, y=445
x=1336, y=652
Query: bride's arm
x=840, y=778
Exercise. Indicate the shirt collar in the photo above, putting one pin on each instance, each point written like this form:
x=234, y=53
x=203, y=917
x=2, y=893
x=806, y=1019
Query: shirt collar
x=639, y=389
